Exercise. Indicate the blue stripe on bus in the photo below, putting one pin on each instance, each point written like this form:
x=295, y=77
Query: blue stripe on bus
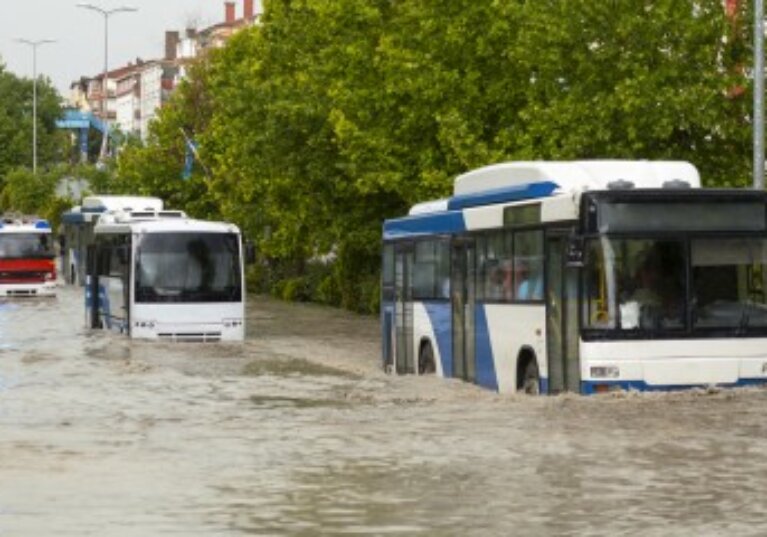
x=589, y=387
x=441, y=317
x=426, y=224
x=486, y=375
x=544, y=384
x=105, y=307
x=502, y=195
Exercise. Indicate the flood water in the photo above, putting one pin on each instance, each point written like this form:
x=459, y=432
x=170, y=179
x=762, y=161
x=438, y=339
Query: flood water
x=298, y=432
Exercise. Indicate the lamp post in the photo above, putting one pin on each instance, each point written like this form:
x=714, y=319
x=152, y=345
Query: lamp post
x=34, y=45
x=759, y=94
x=106, y=13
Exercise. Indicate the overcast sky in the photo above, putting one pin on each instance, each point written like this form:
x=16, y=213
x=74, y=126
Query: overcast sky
x=79, y=49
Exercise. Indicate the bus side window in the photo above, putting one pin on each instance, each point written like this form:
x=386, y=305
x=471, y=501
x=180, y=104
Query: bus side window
x=494, y=267
x=528, y=265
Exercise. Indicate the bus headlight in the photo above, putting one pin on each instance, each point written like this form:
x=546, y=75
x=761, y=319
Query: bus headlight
x=605, y=372
x=144, y=324
x=232, y=323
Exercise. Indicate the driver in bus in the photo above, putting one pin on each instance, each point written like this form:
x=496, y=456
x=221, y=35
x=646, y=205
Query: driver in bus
x=643, y=308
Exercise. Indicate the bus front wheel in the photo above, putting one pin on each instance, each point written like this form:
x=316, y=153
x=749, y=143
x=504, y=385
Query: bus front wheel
x=426, y=365
x=531, y=380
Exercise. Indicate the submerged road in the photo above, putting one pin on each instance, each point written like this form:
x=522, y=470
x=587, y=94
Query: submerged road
x=298, y=432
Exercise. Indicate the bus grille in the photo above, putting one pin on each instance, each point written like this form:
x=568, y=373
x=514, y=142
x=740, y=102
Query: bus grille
x=21, y=292
x=197, y=337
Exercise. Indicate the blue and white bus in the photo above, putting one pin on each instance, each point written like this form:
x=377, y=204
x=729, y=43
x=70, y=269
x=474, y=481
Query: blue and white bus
x=590, y=276
x=77, y=229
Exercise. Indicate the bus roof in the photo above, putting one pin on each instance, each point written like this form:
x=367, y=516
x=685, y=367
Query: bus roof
x=124, y=203
x=24, y=224
x=578, y=175
x=517, y=182
x=158, y=222
x=93, y=206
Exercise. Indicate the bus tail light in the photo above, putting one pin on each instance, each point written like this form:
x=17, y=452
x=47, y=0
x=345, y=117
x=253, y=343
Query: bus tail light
x=605, y=372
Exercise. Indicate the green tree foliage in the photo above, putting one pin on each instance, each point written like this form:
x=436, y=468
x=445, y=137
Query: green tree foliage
x=156, y=168
x=329, y=117
x=34, y=194
x=16, y=123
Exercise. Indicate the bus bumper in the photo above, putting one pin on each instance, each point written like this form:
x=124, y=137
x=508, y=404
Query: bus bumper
x=22, y=290
x=188, y=332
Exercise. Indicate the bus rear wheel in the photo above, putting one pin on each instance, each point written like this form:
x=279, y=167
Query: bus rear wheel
x=426, y=365
x=531, y=380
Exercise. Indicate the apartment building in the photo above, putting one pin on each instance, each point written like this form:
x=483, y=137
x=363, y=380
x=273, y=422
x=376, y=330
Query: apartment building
x=134, y=93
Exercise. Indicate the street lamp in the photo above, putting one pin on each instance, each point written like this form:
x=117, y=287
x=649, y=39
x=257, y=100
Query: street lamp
x=106, y=13
x=34, y=45
x=759, y=94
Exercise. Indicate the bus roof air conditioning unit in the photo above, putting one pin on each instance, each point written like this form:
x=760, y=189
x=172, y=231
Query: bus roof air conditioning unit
x=676, y=183
x=620, y=184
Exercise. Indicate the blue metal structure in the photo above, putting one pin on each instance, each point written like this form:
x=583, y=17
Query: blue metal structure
x=81, y=122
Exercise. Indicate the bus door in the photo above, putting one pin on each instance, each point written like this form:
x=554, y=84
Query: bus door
x=561, y=316
x=92, y=287
x=403, y=309
x=462, y=284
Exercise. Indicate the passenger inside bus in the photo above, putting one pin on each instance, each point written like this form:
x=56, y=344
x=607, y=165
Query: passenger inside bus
x=529, y=282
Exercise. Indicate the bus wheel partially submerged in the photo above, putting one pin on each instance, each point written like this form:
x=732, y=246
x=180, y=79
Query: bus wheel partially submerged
x=426, y=364
x=528, y=375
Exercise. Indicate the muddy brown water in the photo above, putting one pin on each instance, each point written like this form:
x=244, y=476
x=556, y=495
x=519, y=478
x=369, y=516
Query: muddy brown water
x=298, y=432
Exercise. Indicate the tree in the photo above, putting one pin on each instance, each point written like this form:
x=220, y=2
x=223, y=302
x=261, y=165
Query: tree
x=327, y=118
x=16, y=123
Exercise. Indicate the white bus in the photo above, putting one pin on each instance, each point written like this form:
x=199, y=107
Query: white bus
x=161, y=275
x=77, y=229
x=588, y=277
x=27, y=266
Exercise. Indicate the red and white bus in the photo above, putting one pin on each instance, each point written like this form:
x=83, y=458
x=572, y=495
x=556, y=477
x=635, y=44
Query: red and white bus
x=27, y=259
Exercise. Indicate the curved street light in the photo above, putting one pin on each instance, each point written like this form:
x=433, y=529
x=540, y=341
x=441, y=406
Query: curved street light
x=106, y=13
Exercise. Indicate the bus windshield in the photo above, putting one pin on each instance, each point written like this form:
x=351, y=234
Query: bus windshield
x=26, y=246
x=645, y=285
x=188, y=267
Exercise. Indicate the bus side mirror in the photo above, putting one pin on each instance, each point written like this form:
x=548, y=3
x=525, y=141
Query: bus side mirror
x=250, y=252
x=576, y=252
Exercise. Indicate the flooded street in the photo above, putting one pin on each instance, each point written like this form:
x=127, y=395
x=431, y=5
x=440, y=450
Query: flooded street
x=298, y=432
